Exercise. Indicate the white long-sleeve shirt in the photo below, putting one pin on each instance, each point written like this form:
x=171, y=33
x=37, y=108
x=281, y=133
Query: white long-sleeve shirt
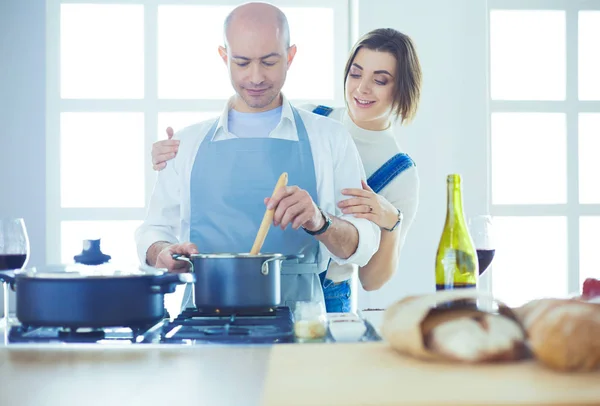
x=337, y=166
x=375, y=149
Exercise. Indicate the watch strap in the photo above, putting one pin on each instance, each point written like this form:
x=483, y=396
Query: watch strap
x=322, y=229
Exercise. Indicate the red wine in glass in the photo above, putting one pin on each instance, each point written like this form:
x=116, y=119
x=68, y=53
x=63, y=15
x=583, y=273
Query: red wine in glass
x=12, y=261
x=485, y=257
x=14, y=244
x=14, y=252
x=480, y=228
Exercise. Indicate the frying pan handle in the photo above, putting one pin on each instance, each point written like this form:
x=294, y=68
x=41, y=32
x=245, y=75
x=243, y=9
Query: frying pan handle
x=8, y=277
x=166, y=283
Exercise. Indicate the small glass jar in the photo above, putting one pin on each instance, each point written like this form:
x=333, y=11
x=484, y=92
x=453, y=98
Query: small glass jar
x=310, y=321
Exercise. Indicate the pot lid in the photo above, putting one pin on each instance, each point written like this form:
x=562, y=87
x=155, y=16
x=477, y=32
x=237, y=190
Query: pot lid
x=236, y=255
x=91, y=263
x=78, y=271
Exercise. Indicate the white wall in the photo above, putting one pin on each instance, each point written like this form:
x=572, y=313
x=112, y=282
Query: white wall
x=22, y=118
x=449, y=134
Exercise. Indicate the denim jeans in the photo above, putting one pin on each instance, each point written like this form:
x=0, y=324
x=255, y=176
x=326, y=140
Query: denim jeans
x=337, y=295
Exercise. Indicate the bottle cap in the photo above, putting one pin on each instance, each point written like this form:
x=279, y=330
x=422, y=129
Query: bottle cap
x=453, y=178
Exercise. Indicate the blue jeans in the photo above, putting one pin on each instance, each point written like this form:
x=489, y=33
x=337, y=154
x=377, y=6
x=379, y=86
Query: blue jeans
x=337, y=295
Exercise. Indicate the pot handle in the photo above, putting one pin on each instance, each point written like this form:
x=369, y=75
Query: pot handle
x=264, y=269
x=166, y=283
x=181, y=257
x=292, y=256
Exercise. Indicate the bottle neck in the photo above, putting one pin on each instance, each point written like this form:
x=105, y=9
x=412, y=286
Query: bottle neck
x=455, y=202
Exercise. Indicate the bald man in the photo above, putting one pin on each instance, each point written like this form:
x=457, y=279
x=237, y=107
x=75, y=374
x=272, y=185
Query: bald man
x=212, y=197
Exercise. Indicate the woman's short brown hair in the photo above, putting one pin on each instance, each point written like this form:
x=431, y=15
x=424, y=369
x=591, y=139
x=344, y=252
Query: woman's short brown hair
x=407, y=85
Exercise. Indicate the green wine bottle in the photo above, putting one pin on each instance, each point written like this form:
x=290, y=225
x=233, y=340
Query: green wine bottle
x=456, y=260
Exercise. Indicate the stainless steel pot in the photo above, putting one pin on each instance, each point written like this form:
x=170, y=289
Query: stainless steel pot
x=228, y=281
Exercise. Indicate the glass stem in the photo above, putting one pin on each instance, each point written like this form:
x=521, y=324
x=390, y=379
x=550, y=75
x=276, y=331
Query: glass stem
x=6, y=291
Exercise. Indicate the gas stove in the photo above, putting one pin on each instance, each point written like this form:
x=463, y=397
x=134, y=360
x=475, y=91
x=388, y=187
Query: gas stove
x=19, y=334
x=198, y=327
x=114, y=335
x=192, y=326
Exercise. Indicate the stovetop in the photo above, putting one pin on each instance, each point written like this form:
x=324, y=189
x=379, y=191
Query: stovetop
x=113, y=335
x=197, y=327
x=192, y=326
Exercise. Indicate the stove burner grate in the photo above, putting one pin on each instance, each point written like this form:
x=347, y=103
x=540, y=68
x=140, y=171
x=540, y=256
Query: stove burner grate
x=202, y=327
x=227, y=330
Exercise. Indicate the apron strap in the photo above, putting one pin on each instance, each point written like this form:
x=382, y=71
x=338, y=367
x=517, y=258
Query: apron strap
x=389, y=170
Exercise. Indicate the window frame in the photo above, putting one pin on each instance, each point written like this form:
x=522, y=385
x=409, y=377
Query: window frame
x=150, y=104
x=572, y=210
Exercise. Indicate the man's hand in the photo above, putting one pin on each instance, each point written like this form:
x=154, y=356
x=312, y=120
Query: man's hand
x=294, y=206
x=165, y=259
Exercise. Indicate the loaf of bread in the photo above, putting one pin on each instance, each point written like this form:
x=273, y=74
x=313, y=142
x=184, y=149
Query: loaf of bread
x=453, y=327
x=564, y=334
x=478, y=338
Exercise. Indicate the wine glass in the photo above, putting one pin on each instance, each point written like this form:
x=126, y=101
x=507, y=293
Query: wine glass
x=14, y=251
x=480, y=228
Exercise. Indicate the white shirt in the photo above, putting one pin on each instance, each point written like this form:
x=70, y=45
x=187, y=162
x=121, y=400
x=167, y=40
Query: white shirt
x=337, y=166
x=376, y=148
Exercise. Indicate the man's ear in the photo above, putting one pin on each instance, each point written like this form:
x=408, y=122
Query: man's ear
x=223, y=53
x=290, y=55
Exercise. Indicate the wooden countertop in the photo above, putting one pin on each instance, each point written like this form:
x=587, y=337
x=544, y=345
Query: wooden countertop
x=307, y=374
x=375, y=374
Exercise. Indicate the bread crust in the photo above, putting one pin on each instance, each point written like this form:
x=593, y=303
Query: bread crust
x=564, y=334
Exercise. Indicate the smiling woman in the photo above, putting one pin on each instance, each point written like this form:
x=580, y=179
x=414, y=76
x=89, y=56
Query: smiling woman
x=382, y=82
x=370, y=111
x=390, y=63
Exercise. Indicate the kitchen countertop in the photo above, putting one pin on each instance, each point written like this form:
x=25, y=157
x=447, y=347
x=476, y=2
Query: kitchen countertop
x=136, y=375
x=288, y=374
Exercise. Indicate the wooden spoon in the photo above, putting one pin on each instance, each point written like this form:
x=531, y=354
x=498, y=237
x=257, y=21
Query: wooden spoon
x=267, y=219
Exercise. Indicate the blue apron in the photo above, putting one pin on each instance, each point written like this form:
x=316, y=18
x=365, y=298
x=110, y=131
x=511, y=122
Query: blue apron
x=229, y=181
x=337, y=295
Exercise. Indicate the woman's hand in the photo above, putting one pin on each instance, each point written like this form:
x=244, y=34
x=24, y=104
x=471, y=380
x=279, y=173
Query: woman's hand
x=369, y=205
x=163, y=151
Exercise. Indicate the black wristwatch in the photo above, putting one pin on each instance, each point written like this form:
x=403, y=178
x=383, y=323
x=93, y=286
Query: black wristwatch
x=325, y=226
x=400, y=217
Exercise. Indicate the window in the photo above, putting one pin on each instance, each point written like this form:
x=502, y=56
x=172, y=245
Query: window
x=119, y=74
x=545, y=140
